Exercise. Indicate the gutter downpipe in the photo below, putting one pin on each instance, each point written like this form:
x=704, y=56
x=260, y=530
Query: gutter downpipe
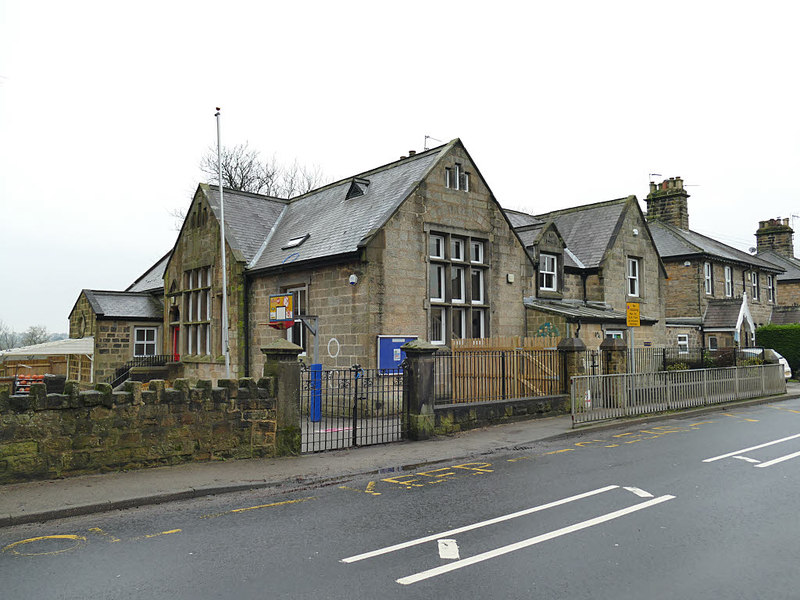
x=246, y=318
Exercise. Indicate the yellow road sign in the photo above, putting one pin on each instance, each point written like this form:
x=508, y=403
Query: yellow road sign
x=633, y=314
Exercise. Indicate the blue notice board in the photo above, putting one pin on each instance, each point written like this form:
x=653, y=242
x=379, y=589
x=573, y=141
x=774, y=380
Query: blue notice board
x=389, y=354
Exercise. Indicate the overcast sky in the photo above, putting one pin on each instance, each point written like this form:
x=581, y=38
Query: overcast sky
x=106, y=108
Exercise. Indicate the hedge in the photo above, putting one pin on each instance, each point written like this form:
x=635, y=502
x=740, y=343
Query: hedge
x=784, y=339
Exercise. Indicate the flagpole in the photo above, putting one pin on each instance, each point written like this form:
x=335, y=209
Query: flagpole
x=225, y=348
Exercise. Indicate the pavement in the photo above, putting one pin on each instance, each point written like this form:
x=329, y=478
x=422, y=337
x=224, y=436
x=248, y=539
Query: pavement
x=40, y=501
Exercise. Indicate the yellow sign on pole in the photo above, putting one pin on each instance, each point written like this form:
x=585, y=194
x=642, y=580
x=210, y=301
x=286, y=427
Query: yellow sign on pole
x=633, y=314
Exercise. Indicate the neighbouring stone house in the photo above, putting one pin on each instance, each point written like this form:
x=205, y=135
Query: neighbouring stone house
x=416, y=248
x=591, y=261
x=716, y=295
x=123, y=325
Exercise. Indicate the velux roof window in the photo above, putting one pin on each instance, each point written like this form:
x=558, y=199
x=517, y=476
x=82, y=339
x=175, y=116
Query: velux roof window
x=295, y=241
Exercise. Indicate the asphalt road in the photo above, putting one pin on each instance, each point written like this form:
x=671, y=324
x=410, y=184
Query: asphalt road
x=686, y=508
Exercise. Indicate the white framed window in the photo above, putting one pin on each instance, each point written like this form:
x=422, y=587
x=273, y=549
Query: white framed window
x=448, y=177
x=477, y=286
x=547, y=272
x=708, y=276
x=478, y=323
x=438, y=320
x=456, y=249
x=457, y=292
x=633, y=276
x=437, y=282
x=457, y=176
x=615, y=334
x=713, y=343
x=196, y=315
x=459, y=323
x=754, y=283
x=436, y=246
x=728, y=282
x=771, y=289
x=465, y=182
x=144, y=343
x=457, y=285
x=476, y=252
x=683, y=343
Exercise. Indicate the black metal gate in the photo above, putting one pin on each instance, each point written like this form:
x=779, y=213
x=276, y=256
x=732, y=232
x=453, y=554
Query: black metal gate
x=352, y=407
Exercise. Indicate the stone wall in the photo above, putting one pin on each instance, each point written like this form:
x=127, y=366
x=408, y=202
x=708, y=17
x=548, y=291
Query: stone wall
x=789, y=293
x=461, y=417
x=43, y=436
x=343, y=311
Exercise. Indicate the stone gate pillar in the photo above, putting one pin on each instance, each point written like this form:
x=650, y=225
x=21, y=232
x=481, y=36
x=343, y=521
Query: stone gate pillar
x=282, y=364
x=572, y=352
x=419, y=389
x=615, y=356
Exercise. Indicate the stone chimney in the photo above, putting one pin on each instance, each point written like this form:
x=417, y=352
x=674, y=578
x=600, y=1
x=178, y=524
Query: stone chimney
x=668, y=202
x=776, y=235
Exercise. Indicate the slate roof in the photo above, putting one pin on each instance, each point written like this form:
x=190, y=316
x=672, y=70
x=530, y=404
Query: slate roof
x=529, y=233
x=153, y=279
x=791, y=266
x=589, y=230
x=573, y=311
x=125, y=305
x=248, y=217
x=337, y=225
x=673, y=242
x=521, y=219
x=785, y=315
x=722, y=313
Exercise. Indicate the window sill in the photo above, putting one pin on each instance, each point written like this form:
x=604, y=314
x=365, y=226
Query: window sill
x=202, y=359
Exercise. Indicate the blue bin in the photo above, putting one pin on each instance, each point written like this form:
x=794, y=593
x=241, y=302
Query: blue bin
x=315, y=405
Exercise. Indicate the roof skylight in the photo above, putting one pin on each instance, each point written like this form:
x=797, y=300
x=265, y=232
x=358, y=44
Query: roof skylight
x=295, y=241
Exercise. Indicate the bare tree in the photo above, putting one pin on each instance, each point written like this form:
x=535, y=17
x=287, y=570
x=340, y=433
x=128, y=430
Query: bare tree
x=8, y=337
x=35, y=334
x=244, y=169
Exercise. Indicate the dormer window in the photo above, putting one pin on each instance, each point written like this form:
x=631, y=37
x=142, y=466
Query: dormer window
x=547, y=273
x=295, y=241
x=358, y=187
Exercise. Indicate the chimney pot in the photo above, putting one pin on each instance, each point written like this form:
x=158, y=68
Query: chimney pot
x=412, y=152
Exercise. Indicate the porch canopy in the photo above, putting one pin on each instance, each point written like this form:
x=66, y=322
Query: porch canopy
x=82, y=346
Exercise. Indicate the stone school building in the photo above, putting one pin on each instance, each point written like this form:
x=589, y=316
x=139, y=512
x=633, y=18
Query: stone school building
x=415, y=249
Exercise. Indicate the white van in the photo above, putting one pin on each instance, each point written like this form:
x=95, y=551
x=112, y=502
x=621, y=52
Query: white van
x=770, y=356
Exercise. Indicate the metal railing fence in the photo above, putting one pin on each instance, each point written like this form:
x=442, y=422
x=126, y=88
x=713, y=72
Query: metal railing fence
x=351, y=407
x=484, y=376
x=654, y=359
x=601, y=397
x=155, y=360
